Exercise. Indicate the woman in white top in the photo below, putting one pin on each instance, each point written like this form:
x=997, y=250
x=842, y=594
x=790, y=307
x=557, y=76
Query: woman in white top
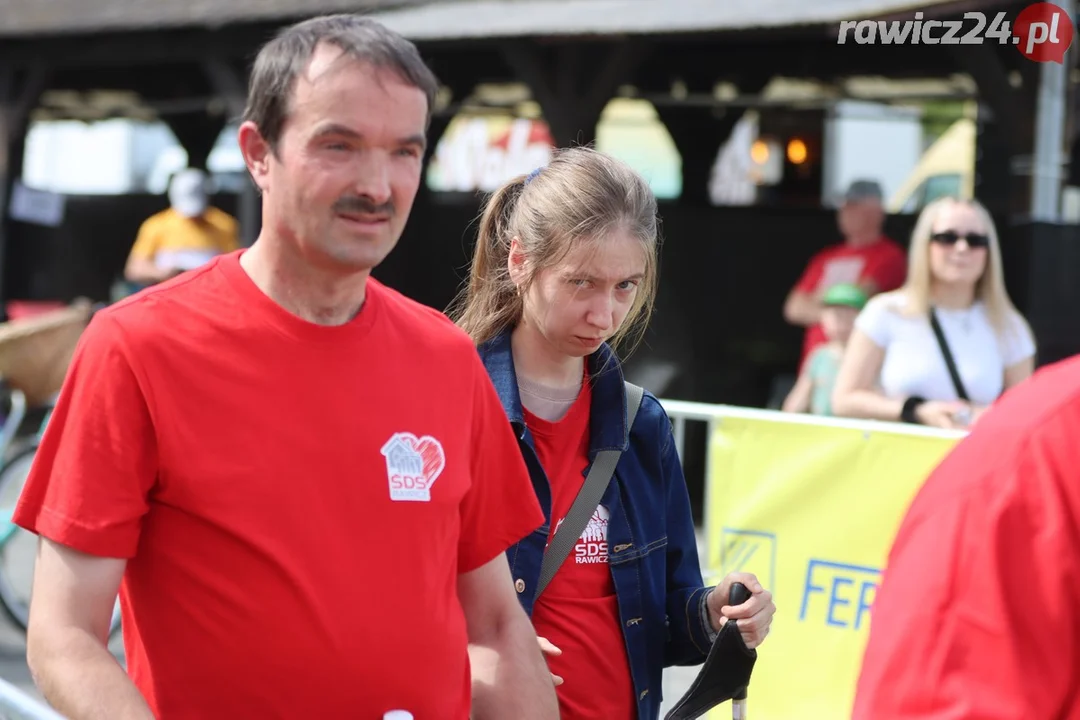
x=894, y=368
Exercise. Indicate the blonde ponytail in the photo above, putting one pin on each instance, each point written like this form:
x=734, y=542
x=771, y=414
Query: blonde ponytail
x=490, y=304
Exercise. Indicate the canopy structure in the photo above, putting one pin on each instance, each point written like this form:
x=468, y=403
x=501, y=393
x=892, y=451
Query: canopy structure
x=460, y=19
x=464, y=19
x=186, y=62
x=30, y=18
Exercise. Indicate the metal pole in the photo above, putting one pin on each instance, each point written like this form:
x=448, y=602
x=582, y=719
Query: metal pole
x=1047, y=169
x=18, y=705
x=709, y=492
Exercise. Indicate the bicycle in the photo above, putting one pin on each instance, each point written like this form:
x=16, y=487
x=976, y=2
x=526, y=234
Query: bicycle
x=16, y=573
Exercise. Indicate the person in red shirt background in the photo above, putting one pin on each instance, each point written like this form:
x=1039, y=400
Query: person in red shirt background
x=866, y=258
x=301, y=482
x=978, y=612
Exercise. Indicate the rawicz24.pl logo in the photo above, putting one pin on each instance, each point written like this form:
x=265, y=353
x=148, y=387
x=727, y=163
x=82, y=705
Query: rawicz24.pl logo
x=1041, y=32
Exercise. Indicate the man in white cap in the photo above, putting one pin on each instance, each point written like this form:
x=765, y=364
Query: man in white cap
x=183, y=237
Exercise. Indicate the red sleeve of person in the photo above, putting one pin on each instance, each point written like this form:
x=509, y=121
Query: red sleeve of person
x=976, y=616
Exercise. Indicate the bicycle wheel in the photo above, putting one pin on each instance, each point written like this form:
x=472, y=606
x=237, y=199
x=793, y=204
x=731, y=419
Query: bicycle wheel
x=18, y=547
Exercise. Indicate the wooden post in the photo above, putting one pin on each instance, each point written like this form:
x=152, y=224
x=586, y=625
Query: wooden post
x=571, y=103
x=19, y=94
x=229, y=84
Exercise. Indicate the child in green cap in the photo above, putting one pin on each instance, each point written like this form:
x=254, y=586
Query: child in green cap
x=813, y=390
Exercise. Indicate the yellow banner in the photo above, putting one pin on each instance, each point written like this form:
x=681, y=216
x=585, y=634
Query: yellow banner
x=811, y=509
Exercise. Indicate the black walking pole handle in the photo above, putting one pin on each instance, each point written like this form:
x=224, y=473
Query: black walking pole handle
x=738, y=595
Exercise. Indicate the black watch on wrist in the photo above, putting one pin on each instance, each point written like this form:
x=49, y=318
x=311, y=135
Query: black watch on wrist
x=907, y=414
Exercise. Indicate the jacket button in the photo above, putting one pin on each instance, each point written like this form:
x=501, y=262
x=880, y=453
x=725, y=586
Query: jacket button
x=519, y=585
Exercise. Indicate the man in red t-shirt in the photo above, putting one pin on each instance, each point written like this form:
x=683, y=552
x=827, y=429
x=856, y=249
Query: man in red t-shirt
x=302, y=483
x=866, y=258
x=978, y=614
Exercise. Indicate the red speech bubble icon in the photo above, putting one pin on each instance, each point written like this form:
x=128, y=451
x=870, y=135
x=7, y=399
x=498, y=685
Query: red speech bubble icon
x=1043, y=32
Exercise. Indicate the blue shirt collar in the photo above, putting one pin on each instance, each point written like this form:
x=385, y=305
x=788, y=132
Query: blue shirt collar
x=607, y=416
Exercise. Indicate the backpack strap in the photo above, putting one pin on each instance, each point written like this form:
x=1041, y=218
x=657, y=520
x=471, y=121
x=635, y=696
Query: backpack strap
x=596, y=482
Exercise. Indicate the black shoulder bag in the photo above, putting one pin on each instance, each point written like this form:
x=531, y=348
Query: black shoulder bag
x=961, y=392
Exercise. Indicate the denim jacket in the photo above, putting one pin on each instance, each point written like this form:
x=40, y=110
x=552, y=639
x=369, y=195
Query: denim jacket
x=651, y=544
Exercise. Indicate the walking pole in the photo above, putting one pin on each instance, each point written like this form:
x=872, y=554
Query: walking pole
x=724, y=676
x=739, y=594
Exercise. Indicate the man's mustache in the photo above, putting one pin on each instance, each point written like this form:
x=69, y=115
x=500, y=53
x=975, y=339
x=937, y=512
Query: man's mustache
x=363, y=205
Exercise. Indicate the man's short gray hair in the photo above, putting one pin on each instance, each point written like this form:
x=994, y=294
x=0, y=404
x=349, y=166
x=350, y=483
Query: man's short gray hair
x=284, y=58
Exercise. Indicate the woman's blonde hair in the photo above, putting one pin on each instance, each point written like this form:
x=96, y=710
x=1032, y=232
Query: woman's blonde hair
x=989, y=288
x=581, y=196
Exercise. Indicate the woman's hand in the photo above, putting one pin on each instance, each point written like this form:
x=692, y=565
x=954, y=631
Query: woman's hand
x=977, y=411
x=753, y=617
x=941, y=414
x=548, y=649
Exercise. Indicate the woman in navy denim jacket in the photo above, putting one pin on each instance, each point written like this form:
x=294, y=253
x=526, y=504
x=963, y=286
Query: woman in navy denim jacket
x=566, y=261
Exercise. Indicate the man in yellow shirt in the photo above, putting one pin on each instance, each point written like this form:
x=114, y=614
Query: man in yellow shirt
x=185, y=236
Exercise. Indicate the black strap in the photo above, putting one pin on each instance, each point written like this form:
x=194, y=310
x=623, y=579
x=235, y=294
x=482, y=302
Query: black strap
x=724, y=676
x=944, y=345
x=596, y=482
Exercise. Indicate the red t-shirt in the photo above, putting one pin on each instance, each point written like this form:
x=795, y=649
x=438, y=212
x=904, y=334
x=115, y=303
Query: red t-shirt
x=978, y=615
x=883, y=263
x=579, y=612
x=295, y=501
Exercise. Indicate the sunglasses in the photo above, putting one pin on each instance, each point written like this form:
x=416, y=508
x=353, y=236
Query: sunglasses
x=951, y=237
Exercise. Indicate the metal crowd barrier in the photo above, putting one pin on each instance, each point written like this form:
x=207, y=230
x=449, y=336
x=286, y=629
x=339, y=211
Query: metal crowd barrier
x=680, y=411
x=18, y=705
